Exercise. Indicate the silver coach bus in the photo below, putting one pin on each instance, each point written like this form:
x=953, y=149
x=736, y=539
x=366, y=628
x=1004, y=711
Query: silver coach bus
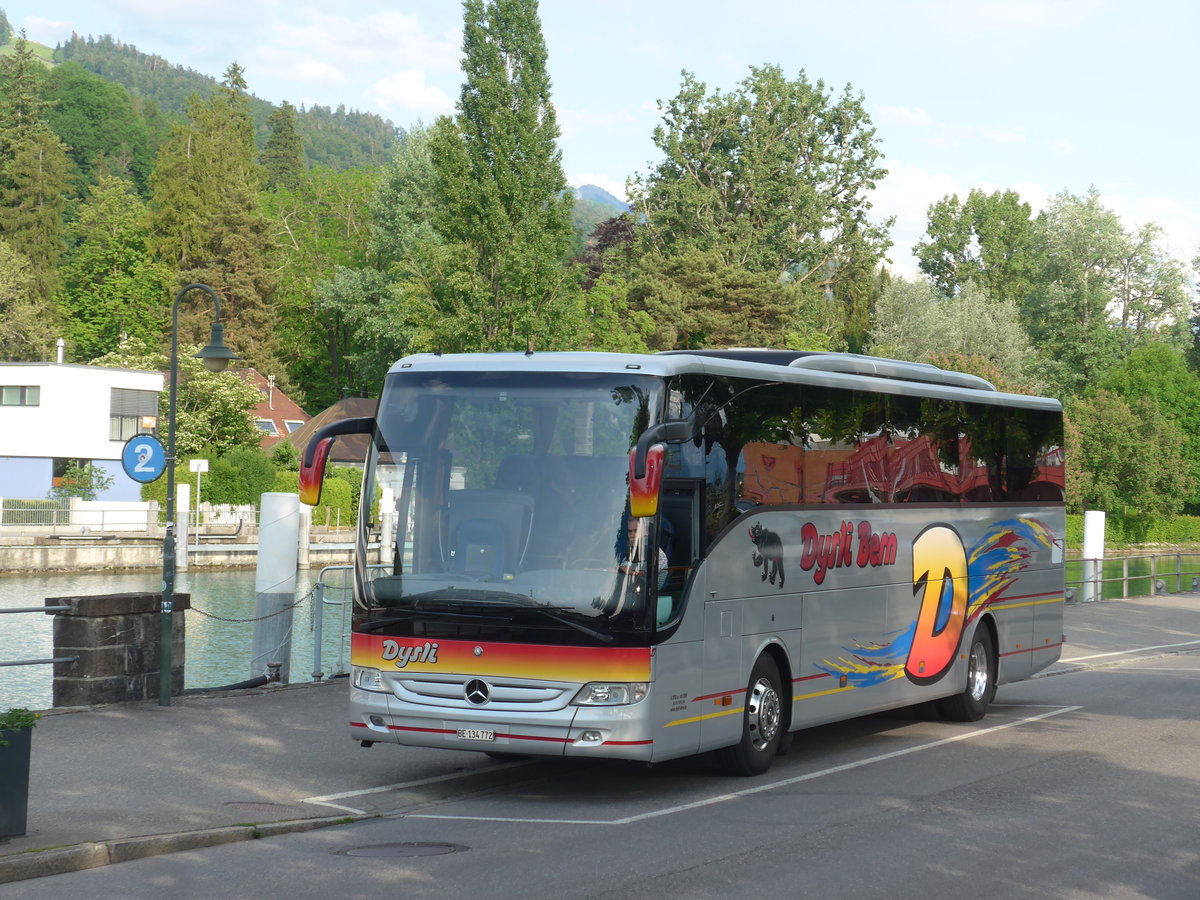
x=650, y=556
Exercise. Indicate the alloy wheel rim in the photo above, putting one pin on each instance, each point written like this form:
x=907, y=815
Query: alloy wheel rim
x=764, y=714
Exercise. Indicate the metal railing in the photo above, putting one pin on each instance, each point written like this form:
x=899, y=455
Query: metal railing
x=320, y=601
x=1137, y=576
x=37, y=662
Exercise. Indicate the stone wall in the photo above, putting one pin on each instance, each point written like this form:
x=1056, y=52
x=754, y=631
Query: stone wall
x=116, y=638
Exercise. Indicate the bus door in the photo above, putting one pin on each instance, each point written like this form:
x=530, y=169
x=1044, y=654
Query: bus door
x=723, y=691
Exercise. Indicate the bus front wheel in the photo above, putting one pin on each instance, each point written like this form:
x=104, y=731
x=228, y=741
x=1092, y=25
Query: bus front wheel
x=972, y=702
x=762, y=724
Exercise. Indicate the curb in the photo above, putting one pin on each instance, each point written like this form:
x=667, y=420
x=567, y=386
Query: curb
x=60, y=860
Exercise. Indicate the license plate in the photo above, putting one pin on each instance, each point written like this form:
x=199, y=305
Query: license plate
x=476, y=734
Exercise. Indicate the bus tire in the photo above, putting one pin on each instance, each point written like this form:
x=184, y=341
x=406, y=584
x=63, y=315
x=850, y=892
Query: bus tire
x=762, y=724
x=971, y=704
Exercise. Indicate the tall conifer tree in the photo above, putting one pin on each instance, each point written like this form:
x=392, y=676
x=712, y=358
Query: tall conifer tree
x=283, y=156
x=207, y=222
x=34, y=171
x=503, y=208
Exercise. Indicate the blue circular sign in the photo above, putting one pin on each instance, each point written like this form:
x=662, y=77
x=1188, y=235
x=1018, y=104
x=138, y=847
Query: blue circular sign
x=144, y=458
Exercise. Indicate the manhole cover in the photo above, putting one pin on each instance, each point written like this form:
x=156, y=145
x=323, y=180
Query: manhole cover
x=395, y=851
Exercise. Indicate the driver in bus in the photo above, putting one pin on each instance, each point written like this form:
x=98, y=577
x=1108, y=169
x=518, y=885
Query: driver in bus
x=633, y=561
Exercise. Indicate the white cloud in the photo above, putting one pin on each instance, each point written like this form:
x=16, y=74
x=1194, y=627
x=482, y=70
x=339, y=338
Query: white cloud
x=907, y=193
x=902, y=115
x=1180, y=225
x=313, y=71
x=408, y=91
x=46, y=31
x=1062, y=147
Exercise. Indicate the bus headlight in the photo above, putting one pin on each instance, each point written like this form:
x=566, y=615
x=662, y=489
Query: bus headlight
x=603, y=693
x=367, y=679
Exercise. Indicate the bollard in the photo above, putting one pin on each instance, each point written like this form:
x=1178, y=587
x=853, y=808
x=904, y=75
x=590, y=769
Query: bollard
x=275, y=583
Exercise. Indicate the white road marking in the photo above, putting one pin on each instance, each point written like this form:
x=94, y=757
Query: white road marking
x=326, y=799
x=787, y=782
x=1075, y=659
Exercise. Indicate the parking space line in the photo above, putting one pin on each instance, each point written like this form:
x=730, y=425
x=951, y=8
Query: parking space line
x=326, y=799
x=1075, y=659
x=758, y=789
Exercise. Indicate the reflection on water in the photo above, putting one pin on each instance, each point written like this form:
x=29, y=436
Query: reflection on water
x=218, y=651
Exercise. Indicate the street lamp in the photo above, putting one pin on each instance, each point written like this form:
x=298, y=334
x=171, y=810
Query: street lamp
x=216, y=357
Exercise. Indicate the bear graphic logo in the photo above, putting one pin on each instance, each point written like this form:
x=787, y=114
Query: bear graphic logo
x=768, y=553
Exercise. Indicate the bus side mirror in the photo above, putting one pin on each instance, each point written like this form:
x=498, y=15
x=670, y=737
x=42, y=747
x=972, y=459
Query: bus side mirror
x=312, y=465
x=646, y=462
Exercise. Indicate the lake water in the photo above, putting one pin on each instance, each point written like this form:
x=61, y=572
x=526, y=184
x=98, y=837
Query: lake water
x=218, y=651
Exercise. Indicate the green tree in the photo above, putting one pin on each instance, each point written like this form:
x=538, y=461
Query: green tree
x=914, y=322
x=1082, y=246
x=84, y=482
x=22, y=106
x=213, y=410
x=696, y=299
x=282, y=157
x=111, y=287
x=1152, y=291
x=1158, y=374
x=987, y=239
x=29, y=332
x=206, y=221
x=502, y=204
x=324, y=224
x=34, y=170
x=774, y=177
x=99, y=125
x=1124, y=457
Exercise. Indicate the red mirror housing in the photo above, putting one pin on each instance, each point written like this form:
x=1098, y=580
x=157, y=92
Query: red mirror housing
x=643, y=492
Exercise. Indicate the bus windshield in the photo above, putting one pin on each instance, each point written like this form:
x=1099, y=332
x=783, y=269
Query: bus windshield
x=499, y=501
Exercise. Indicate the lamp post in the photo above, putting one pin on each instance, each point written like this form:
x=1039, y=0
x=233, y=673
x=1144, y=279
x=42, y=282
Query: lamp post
x=216, y=357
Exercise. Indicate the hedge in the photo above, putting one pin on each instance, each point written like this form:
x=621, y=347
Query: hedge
x=335, y=499
x=1132, y=531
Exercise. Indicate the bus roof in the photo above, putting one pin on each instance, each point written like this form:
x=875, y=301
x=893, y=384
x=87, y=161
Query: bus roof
x=842, y=370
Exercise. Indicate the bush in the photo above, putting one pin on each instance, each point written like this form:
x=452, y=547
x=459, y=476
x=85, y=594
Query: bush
x=1135, y=530
x=335, y=502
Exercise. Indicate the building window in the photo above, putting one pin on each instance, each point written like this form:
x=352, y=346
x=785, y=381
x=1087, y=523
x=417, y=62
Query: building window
x=60, y=467
x=292, y=425
x=122, y=428
x=20, y=395
x=131, y=412
x=266, y=426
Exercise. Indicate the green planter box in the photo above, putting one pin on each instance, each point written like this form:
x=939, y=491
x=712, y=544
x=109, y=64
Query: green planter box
x=14, y=781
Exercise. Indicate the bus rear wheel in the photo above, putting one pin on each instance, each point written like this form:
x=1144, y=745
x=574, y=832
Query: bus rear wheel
x=762, y=724
x=971, y=704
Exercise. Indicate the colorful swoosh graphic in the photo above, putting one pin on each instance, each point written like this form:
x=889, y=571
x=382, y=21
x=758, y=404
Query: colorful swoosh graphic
x=993, y=565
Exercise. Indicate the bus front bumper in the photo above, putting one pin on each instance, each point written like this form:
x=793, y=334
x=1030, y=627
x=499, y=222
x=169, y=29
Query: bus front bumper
x=618, y=732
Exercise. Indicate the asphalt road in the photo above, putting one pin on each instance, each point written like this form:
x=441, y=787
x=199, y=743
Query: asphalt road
x=1080, y=785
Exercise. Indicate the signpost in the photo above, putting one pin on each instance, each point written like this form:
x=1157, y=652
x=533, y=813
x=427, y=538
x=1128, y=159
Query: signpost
x=143, y=458
x=199, y=466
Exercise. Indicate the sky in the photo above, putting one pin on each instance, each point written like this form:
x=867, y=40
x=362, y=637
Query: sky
x=1036, y=96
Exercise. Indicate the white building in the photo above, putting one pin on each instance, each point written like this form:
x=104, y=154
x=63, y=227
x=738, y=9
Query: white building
x=54, y=415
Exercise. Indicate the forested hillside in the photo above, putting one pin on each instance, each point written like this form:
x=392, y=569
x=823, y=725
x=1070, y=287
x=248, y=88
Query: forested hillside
x=339, y=244
x=337, y=138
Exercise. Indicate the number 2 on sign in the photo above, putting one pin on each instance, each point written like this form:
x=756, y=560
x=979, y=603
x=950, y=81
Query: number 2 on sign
x=940, y=577
x=144, y=454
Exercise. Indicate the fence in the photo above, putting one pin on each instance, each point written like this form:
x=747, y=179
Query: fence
x=1136, y=576
x=37, y=662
